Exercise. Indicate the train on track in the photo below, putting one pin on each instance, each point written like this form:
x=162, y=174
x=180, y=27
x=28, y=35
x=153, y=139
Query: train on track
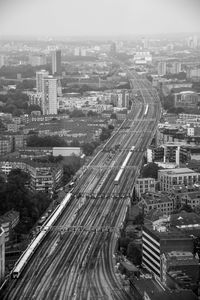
x=119, y=174
x=27, y=254
x=146, y=110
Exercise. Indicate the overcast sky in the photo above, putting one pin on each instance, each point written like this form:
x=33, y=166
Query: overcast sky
x=98, y=17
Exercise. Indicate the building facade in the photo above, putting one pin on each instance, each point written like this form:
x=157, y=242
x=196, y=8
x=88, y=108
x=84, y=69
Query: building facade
x=49, y=95
x=44, y=176
x=162, y=68
x=159, y=237
x=8, y=221
x=156, y=201
x=172, y=177
x=5, y=145
x=186, y=99
x=56, y=62
x=144, y=185
x=39, y=78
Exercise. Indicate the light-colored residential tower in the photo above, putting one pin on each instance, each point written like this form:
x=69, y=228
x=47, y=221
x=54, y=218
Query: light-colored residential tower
x=49, y=95
x=56, y=62
x=39, y=77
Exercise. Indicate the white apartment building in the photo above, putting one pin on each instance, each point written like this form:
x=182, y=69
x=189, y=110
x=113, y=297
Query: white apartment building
x=39, y=77
x=169, y=178
x=49, y=95
x=162, y=68
x=144, y=185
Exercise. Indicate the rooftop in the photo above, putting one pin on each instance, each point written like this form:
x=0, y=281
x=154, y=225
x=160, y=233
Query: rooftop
x=178, y=258
x=156, y=292
x=129, y=266
x=176, y=295
x=151, y=198
x=185, y=219
x=177, y=171
x=148, y=285
x=165, y=231
x=9, y=216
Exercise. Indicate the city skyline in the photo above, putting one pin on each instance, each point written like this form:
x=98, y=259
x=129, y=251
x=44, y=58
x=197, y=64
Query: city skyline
x=98, y=18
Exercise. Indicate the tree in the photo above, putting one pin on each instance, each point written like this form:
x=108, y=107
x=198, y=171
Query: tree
x=68, y=172
x=2, y=126
x=92, y=113
x=110, y=127
x=150, y=170
x=176, y=110
x=75, y=143
x=168, y=102
x=33, y=107
x=26, y=85
x=47, y=141
x=113, y=116
x=139, y=219
x=15, y=194
x=77, y=114
x=105, y=134
x=186, y=208
x=134, y=254
x=123, y=244
x=88, y=148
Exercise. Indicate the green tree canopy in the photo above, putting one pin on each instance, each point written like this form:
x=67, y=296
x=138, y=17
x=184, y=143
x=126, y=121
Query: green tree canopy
x=150, y=170
x=47, y=141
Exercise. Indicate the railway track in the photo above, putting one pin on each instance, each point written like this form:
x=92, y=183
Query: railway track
x=79, y=264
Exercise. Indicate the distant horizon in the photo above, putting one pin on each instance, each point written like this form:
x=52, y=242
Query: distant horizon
x=98, y=18
x=103, y=36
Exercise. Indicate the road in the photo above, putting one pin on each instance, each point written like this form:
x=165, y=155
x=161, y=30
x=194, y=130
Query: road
x=79, y=264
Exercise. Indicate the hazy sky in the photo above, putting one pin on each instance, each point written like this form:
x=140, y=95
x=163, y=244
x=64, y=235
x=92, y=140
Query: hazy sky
x=98, y=17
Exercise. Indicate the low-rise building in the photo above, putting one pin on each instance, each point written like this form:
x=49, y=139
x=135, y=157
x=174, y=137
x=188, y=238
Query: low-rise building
x=177, y=232
x=159, y=237
x=156, y=201
x=149, y=289
x=180, y=268
x=44, y=176
x=8, y=221
x=185, y=195
x=5, y=145
x=13, y=127
x=144, y=185
x=193, y=131
x=173, y=177
x=186, y=99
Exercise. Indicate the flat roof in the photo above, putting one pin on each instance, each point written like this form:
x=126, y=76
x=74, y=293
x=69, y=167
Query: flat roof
x=184, y=218
x=148, y=285
x=171, y=233
x=129, y=266
x=177, y=171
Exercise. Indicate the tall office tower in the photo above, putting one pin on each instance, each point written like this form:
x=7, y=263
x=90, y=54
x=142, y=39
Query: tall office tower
x=162, y=68
x=76, y=51
x=2, y=254
x=49, y=95
x=39, y=77
x=176, y=67
x=113, y=49
x=145, y=43
x=3, y=60
x=56, y=62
